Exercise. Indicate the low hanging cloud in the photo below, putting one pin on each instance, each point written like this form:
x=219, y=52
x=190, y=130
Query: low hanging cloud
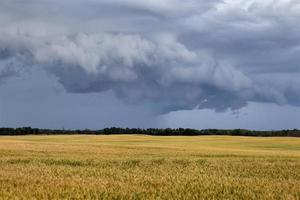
x=168, y=54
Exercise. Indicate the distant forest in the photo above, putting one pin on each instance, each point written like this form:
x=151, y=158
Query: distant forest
x=150, y=131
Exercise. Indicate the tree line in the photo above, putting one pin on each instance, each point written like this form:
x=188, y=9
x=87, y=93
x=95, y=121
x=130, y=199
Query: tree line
x=150, y=131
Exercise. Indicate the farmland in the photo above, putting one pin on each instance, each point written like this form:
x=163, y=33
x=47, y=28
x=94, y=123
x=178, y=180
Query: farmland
x=149, y=167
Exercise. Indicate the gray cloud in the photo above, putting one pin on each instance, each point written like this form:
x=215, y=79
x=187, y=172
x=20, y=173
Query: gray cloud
x=169, y=54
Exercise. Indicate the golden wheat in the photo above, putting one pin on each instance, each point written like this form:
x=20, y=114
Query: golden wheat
x=147, y=167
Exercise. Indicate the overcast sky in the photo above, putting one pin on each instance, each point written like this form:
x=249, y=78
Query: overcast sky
x=150, y=63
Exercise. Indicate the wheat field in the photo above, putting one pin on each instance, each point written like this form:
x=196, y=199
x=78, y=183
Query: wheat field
x=149, y=167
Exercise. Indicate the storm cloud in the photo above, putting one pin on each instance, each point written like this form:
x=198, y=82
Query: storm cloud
x=169, y=54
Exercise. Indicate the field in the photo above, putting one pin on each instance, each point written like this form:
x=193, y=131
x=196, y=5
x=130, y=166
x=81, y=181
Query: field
x=149, y=167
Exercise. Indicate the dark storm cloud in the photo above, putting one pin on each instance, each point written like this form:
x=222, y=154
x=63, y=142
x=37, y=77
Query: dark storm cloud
x=171, y=54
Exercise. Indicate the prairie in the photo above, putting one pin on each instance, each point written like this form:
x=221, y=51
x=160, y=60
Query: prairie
x=149, y=167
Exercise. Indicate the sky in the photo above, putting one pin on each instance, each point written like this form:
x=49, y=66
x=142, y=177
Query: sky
x=79, y=64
